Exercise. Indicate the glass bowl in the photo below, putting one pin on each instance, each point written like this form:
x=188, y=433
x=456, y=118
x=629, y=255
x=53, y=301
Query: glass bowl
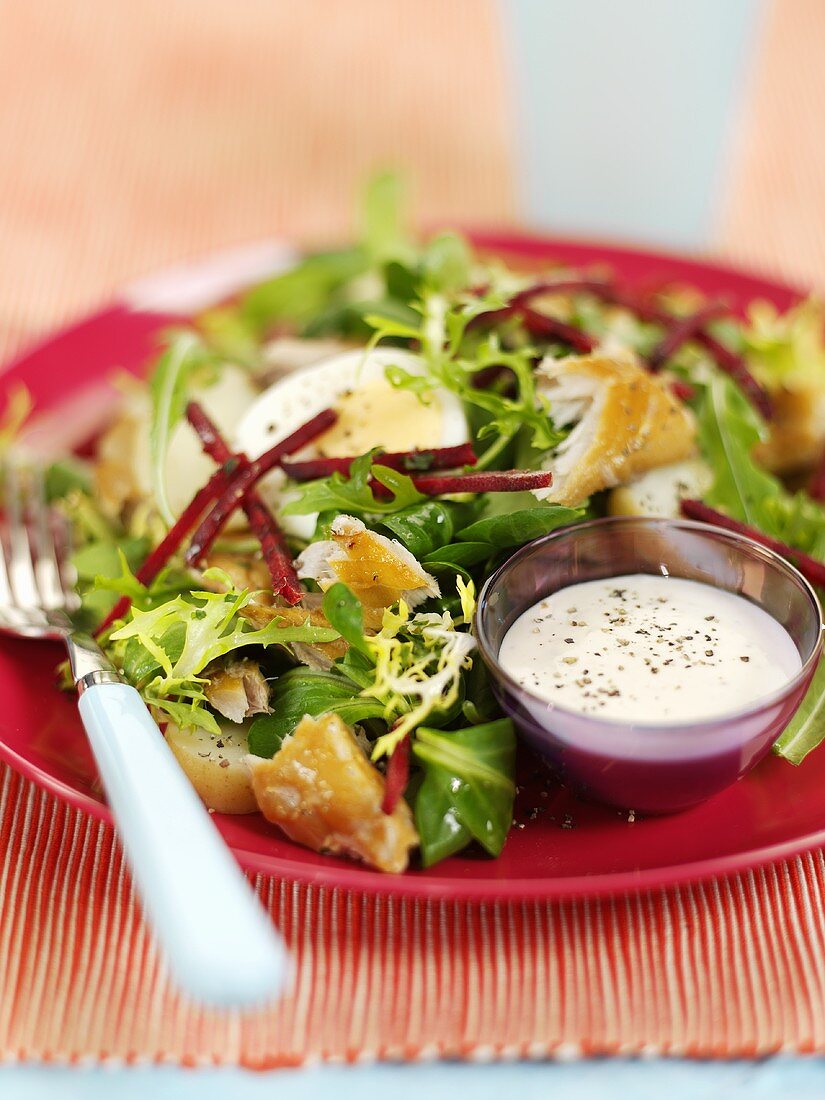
x=649, y=767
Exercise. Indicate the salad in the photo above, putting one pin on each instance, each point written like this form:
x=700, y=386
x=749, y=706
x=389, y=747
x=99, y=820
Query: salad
x=280, y=536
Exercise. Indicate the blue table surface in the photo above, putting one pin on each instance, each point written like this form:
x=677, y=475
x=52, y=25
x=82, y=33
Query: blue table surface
x=599, y=1079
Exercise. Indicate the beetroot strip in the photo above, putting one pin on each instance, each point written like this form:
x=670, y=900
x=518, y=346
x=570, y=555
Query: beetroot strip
x=398, y=775
x=264, y=526
x=726, y=359
x=816, y=486
x=537, y=324
x=550, y=328
x=583, y=285
x=171, y=541
x=438, y=458
x=810, y=568
x=275, y=552
x=488, y=377
x=492, y=481
x=681, y=332
x=244, y=481
x=683, y=390
x=734, y=365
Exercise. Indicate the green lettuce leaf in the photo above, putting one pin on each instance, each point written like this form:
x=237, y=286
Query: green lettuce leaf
x=67, y=475
x=307, y=691
x=729, y=429
x=447, y=263
x=300, y=293
x=168, y=388
x=453, y=357
x=806, y=729
x=425, y=527
x=468, y=788
x=186, y=634
x=516, y=528
x=353, y=494
x=384, y=235
x=786, y=349
x=345, y=614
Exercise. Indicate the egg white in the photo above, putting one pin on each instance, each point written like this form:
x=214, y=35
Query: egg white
x=295, y=399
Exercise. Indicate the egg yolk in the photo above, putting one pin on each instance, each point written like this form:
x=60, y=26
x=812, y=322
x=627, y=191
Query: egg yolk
x=377, y=414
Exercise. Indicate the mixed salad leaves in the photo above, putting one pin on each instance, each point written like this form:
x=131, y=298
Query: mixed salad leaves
x=364, y=611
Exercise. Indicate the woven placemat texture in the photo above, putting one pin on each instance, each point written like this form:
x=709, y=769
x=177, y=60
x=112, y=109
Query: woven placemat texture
x=734, y=967
x=137, y=135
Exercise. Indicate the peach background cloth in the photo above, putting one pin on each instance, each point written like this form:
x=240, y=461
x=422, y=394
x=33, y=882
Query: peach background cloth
x=133, y=135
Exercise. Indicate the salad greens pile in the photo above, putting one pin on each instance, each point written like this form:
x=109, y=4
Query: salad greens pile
x=164, y=649
x=415, y=676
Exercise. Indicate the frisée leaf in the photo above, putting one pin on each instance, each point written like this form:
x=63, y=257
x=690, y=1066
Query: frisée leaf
x=186, y=634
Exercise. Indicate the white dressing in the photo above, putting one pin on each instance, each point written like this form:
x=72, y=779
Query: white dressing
x=649, y=649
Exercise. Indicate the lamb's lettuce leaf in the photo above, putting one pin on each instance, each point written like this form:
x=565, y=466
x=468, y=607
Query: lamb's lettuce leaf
x=806, y=729
x=301, y=293
x=426, y=527
x=468, y=788
x=484, y=540
x=303, y=691
x=459, y=556
x=516, y=528
x=344, y=612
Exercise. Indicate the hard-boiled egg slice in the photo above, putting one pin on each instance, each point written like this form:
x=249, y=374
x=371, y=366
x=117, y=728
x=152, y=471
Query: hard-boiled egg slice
x=371, y=413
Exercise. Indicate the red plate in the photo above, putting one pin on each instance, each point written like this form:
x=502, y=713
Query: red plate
x=561, y=847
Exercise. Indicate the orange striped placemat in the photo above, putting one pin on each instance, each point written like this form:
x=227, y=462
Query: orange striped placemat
x=726, y=968
x=146, y=133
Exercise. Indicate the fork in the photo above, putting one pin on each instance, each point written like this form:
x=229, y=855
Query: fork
x=221, y=947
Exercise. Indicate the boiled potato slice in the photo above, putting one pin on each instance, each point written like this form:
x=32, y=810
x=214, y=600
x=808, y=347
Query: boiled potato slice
x=215, y=765
x=659, y=492
x=124, y=467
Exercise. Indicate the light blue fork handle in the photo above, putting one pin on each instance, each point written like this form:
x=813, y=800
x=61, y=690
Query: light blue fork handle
x=220, y=945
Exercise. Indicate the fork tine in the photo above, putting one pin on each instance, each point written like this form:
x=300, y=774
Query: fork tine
x=47, y=565
x=21, y=564
x=6, y=597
